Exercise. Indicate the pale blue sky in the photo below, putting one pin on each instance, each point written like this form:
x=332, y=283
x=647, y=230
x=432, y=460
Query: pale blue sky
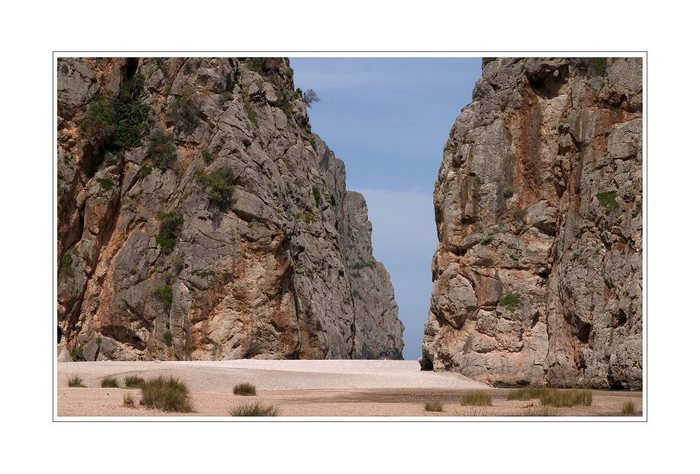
x=388, y=119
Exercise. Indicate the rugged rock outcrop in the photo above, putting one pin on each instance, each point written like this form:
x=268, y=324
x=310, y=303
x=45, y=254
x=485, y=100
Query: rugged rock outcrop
x=199, y=218
x=538, y=204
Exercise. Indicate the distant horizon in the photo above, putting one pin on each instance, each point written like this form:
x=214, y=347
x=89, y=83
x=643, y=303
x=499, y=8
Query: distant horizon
x=388, y=119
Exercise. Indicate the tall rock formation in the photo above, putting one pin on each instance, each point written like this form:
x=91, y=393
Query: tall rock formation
x=538, y=205
x=199, y=218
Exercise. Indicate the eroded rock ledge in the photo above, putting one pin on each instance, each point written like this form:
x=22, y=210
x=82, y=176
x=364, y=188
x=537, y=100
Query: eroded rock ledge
x=199, y=218
x=538, y=204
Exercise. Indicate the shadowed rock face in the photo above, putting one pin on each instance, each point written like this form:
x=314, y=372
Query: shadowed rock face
x=538, y=205
x=229, y=235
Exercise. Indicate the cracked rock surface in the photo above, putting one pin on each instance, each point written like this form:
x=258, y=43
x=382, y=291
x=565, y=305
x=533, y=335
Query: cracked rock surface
x=538, y=274
x=229, y=235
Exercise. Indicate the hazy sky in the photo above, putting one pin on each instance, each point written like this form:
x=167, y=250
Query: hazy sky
x=388, y=119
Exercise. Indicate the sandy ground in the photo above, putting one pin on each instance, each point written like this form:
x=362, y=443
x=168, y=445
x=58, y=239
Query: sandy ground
x=307, y=388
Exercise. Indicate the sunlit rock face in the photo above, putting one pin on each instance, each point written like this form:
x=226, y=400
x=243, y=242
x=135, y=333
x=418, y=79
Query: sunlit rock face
x=199, y=218
x=538, y=204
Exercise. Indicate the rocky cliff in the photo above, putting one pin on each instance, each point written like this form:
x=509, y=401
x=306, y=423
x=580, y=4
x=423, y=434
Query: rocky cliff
x=538, y=205
x=199, y=218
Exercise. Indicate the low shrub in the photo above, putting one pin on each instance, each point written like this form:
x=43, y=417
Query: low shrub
x=317, y=195
x=553, y=397
x=566, y=398
x=75, y=381
x=220, y=185
x=168, y=338
x=433, y=406
x=254, y=409
x=106, y=183
x=77, y=353
x=170, y=229
x=608, y=199
x=109, y=382
x=206, y=155
x=167, y=394
x=183, y=112
x=161, y=150
x=510, y=300
x=245, y=389
x=629, y=409
x=132, y=381
x=477, y=398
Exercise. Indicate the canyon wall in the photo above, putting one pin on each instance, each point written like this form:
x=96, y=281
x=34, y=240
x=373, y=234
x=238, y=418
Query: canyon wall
x=537, y=278
x=199, y=218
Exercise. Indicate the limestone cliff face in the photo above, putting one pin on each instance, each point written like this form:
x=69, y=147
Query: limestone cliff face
x=199, y=218
x=538, y=203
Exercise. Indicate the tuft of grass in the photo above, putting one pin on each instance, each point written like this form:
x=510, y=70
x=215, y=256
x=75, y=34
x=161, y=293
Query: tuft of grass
x=129, y=401
x=510, y=300
x=132, y=381
x=508, y=193
x=165, y=295
x=66, y=269
x=109, y=382
x=106, y=183
x=599, y=66
x=553, y=397
x=168, y=338
x=527, y=393
x=206, y=154
x=476, y=398
x=608, y=199
x=167, y=394
x=254, y=409
x=629, y=409
x=244, y=389
x=75, y=381
x=433, y=406
x=317, y=195
x=77, y=353
x=251, y=113
x=567, y=398
x=487, y=238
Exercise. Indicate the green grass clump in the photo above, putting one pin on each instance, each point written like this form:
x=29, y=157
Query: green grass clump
x=106, y=183
x=168, y=338
x=77, y=353
x=170, y=229
x=599, y=66
x=166, y=394
x=132, y=381
x=629, y=409
x=75, y=381
x=220, y=185
x=508, y=193
x=566, y=398
x=129, y=400
x=527, y=393
x=317, y=195
x=477, y=398
x=109, y=382
x=165, y=295
x=251, y=113
x=206, y=155
x=244, y=389
x=254, y=409
x=510, y=300
x=553, y=397
x=487, y=238
x=66, y=269
x=433, y=406
x=608, y=199
x=161, y=149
